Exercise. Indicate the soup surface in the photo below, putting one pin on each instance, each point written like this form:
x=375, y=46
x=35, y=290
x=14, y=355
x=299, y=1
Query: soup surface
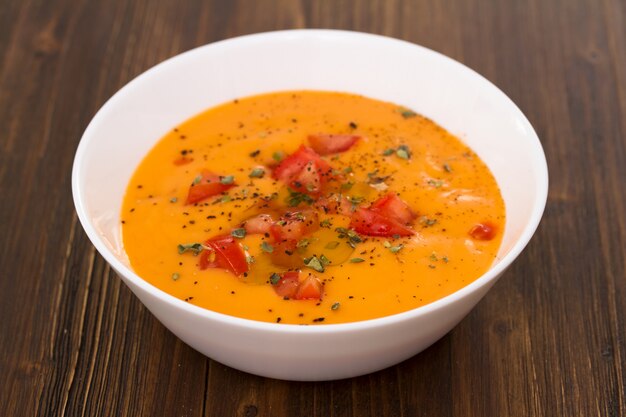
x=311, y=207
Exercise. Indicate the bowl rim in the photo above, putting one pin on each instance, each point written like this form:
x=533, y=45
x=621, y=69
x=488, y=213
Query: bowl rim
x=540, y=198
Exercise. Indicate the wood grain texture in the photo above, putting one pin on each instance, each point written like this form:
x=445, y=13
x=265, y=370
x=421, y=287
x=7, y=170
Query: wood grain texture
x=548, y=340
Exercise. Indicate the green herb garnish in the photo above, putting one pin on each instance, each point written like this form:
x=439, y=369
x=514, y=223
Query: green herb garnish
x=227, y=180
x=266, y=247
x=331, y=245
x=326, y=223
x=195, y=248
x=274, y=278
x=278, y=156
x=335, y=306
x=357, y=260
x=175, y=276
x=249, y=259
x=388, y=152
x=238, y=233
x=197, y=180
x=257, y=173
x=407, y=113
x=314, y=263
x=173, y=200
x=296, y=198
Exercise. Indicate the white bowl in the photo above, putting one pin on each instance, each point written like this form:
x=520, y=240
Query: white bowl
x=459, y=99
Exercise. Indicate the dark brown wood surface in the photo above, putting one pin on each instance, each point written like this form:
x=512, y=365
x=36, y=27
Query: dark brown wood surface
x=548, y=340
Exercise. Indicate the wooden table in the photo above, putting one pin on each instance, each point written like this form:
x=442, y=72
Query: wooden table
x=548, y=340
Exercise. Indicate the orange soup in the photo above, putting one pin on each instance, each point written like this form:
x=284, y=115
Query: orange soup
x=311, y=207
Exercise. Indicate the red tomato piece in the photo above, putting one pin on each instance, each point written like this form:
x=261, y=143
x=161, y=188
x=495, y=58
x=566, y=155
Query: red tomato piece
x=260, y=224
x=225, y=253
x=309, y=289
x=326, y=144
x=372, y=223
x=207, y=185
x=394, y=207
x=335, y=204
x=285, y=254
x=483, y=231
x=304, y=170
x=288, y=284
x=294, y=225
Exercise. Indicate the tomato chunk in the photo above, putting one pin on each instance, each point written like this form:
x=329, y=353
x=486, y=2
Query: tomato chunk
x=206, y=185
x=260, y=224
x=287, y=285
x=309, y=289
x=326, y=144
x=395, y=208
x=334, y=204
x=294, y=225
x=372, y=223
x=304, y=170
x=225, y=253
x=483, y=231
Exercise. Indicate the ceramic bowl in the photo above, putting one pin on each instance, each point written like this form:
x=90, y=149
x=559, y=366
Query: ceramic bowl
x=452, y=95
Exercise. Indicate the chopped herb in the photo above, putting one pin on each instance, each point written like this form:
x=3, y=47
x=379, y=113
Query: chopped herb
x=435, y=183
x=433, y=257
x=407, y=113
x=326, y=223
x=445, y=259
x=257, y=173
x=238, y=233
x=173, y=200
x=427, y=222
x=195, y=248
x=347, y=170
x=314, y=263
x=351, y=235
x=335, y=306
x=386, y=244
x=303, y=243
x=357, y=260
x=295, y=199
x=393, y=249
x=447, y=168
x=227, y=180
x=266, y=247
x=347, y=185
x=331, y=245
x=403, y=152
x=388, y=152
x=278, y=156
x=225, y=198
x=324, y=260
x=197, y=180
x=356, y=200
x=274, y=278
x=249, y=259
x=175, y=276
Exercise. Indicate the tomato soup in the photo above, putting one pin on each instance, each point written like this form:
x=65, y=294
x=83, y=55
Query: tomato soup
x=311, y=207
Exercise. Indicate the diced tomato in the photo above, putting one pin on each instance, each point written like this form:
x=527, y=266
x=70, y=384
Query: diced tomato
x=304, y=170
x=372, y=223
x=335, y=204
x=309, y=289
x=294, y=225
x=483, y=231
x=394, y=207
x=183, y=160
x=206, y=186
x=260, y=224
x=326, y=144
x=286, y=254
x=288, y=284
x=225, y=253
